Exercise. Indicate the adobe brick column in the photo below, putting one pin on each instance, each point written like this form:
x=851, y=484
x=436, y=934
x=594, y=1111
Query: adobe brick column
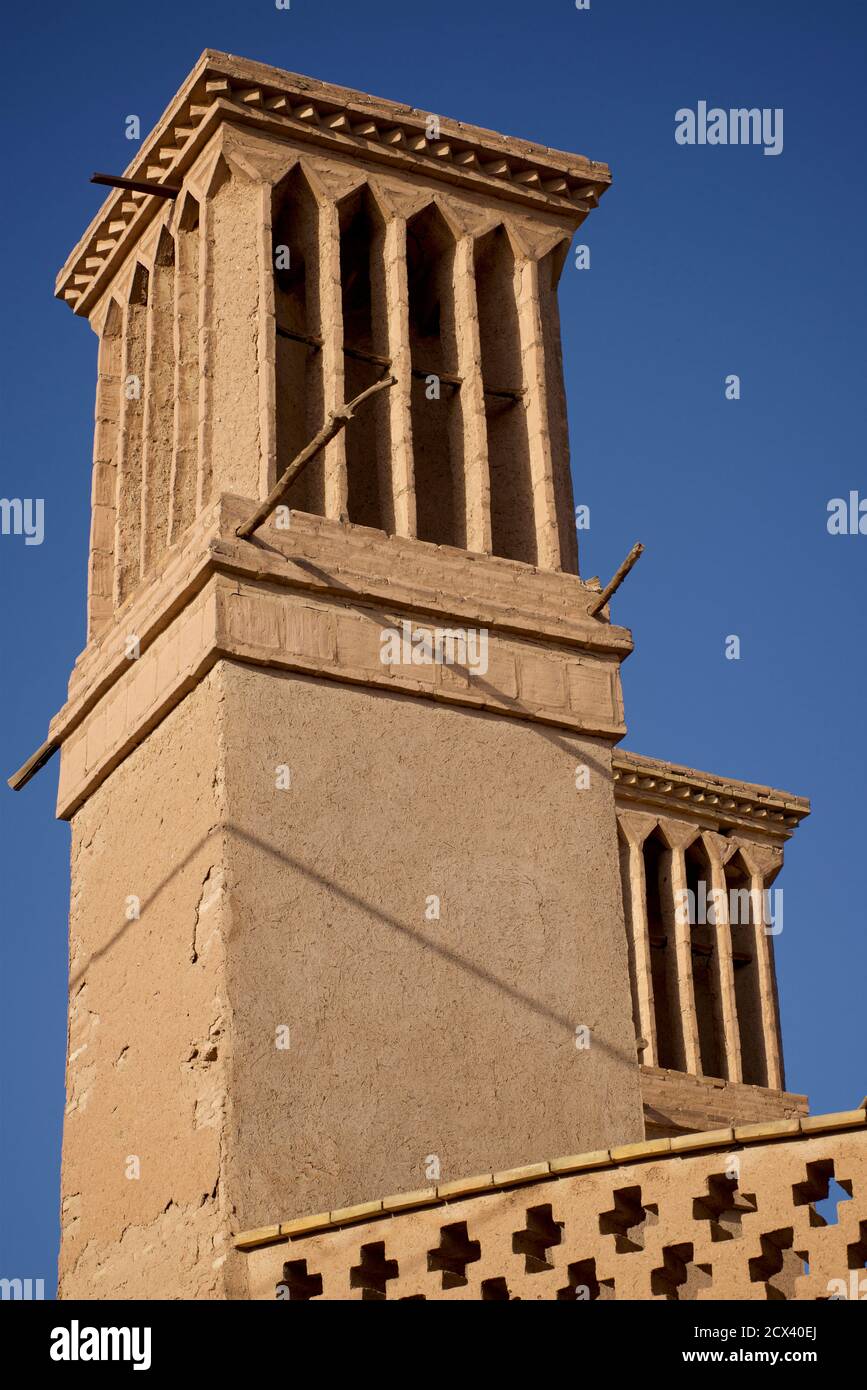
x=535, y=402
x=719, y=849
x=678, y=836
x=399, y=396
x=333, y=373
x=635, y=829
x=127, y=545
x=235, y=309
x=764, y=863
x=477, y=480
x=159, y=405
x=100, y=579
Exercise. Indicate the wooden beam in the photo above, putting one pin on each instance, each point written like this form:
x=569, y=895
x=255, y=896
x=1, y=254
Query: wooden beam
x=614, y=584
x=42, y=755
x=159, y=190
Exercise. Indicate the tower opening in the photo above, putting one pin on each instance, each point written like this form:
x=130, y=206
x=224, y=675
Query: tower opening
x=298, y=325
x=663, y=960
x=745, y=925
x=705, y=962
x=365, y=358
x=437, y=426
x=513, y=524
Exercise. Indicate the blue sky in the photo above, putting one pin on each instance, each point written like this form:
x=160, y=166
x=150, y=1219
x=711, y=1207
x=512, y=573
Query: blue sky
x=705, y=261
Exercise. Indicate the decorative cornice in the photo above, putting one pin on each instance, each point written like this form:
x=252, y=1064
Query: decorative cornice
x=224, y=88
x=653, y=782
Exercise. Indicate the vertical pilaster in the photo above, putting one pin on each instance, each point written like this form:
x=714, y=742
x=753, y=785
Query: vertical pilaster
x=206, y=354
x=718, y=847
x=535, y=404
x=267, y=346
x=634, y=829
x=185, y=451
x=400, y=395
x=127, y=547
x=477, y=481
x=234, y=290
x=100, y=578
x=158, y=424
x=333, y=384
x=677, y=837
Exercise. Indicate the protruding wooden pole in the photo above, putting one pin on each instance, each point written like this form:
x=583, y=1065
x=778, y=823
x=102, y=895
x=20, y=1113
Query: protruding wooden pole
x=614, y=584
x=332, y=427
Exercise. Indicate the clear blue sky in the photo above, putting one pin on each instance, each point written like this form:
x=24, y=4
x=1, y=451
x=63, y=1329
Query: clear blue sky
x=705, y=261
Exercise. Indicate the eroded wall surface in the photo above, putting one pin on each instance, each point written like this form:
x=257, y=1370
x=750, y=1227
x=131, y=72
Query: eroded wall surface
x=144, y=1210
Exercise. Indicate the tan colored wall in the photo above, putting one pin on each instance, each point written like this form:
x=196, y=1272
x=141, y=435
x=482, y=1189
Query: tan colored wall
x=306, y=907
x=412, y=1037
x=146, y=1073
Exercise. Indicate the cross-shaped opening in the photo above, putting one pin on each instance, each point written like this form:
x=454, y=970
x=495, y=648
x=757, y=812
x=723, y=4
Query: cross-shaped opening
x=822, y=1192
x=723, y=1205
x=779, y=1265
x=584, y=1286
x=374, y=1271
x=627, y=1220
x=454, y=1252
x=679, y=1277
x=495, y=1291
x=297, y=1284
x=539, y=1235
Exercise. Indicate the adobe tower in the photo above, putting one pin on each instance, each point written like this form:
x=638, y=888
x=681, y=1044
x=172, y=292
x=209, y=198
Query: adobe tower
x=347, y=913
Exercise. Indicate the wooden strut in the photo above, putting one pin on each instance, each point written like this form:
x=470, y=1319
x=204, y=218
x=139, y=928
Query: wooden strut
x=42, y=755
x=614, y=584
x=160, y=190
x=332, y=427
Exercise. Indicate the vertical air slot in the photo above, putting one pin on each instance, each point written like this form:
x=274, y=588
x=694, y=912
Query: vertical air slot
x=298, y=352
x=663, y=959
x=365, y=359
x=437, y=428
x=705, y=961
x=745, y=915
x=513, y=523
